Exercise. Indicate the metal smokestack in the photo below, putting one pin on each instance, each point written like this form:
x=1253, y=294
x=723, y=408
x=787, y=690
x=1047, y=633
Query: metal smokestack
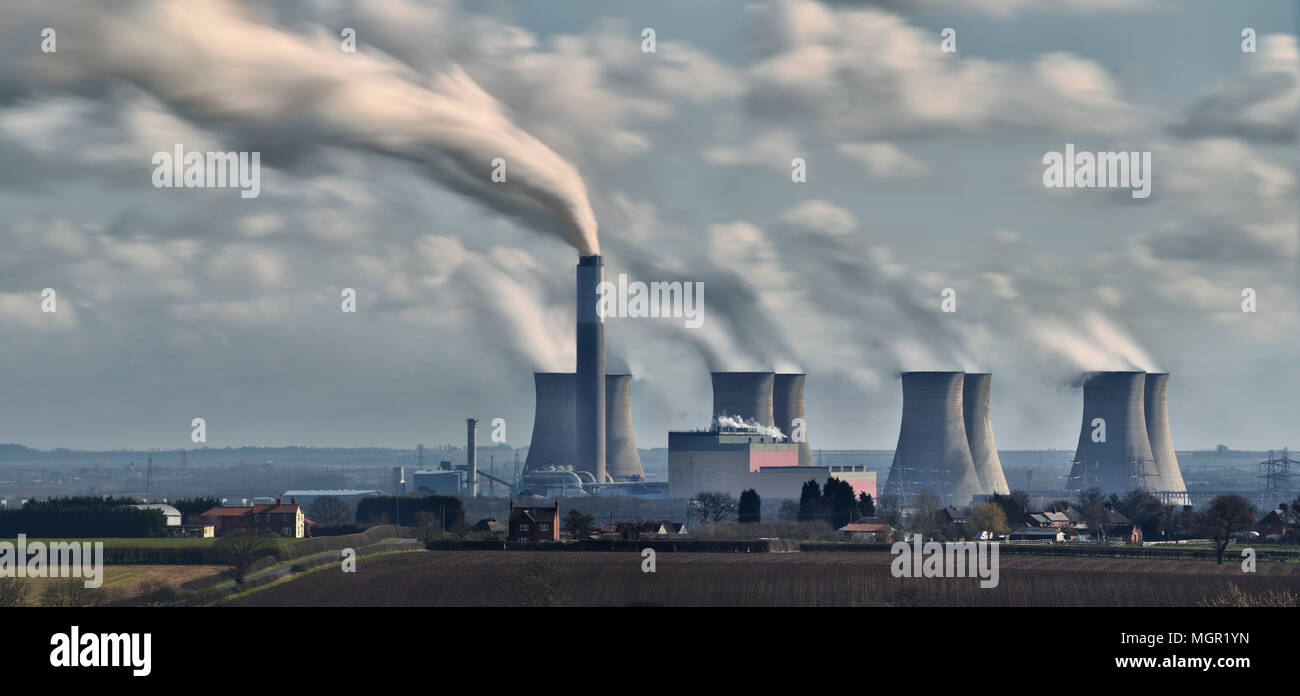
x=552, y=444
x=590, y=415
x=1156, y=410
x=1123, y=462
x=744, y=395
x=621, y=457
x=979, y=433
x=787, y=405
x=933, y=453
x=471, y=457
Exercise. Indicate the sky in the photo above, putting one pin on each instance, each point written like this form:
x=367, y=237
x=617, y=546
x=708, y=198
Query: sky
x=924, y=172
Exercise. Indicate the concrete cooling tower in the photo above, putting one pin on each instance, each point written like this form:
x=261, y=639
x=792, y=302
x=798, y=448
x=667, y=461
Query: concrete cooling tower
x=744, y=395
x=1123, y=461
x=554, y=428
x=933, y=452
x=590, y=416
x=979, y=433
x=621, y=458
x=554, y=443
x=1156, y=410
x=787, y=405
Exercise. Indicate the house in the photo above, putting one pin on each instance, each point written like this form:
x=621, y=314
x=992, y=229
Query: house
x=1047, y=519
x=868, y=529
x=534, y=524
x=950, y=515
x=1278, y=523
x=490, y=525
x=279, y=518
x=1127, y=533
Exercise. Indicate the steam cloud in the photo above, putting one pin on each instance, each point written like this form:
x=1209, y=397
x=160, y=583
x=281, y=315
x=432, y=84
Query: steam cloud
x=215, y=64
x=737, y=423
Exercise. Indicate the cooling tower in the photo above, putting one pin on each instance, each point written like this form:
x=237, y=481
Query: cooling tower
x=979, y=433
x=1123, y=461
x=744, y=395
x=1156, y=411
x=590, y=414
x=621, y=458
x=553, y=422
x=471, y=457
x=933, y=453
x=787, y=405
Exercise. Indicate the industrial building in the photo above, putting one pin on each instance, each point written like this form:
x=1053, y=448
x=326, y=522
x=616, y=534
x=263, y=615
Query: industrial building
x=732, y=461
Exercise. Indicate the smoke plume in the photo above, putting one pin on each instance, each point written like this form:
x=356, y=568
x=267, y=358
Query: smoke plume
x=215, y=64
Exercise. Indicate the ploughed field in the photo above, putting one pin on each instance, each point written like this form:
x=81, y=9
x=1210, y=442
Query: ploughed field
x=542, y=578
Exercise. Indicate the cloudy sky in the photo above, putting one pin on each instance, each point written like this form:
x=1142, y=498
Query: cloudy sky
x=924, y=172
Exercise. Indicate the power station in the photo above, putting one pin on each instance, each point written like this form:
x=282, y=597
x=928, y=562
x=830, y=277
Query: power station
x=583, y=441
x=933, y=453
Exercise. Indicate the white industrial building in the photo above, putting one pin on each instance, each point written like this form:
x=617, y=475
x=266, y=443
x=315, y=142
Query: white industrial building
x=735, y=461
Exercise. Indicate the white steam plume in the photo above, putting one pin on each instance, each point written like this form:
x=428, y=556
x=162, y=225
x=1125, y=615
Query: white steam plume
x=215, y=63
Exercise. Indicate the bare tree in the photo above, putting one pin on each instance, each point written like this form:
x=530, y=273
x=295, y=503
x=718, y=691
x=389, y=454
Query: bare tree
x=240, y=549
x=1092, y=506
x=426, y=527
x=927, y=521
x=714, y=506
x=329, y=510
x=1224, y=518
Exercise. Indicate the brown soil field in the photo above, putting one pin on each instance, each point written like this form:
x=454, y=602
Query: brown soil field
x=522, y=578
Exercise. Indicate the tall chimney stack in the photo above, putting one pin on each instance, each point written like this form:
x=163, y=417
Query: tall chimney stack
x=590, y=416
x=471, y=457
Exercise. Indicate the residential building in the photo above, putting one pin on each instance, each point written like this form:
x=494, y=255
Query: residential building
x=534, y=524
x=279, y=518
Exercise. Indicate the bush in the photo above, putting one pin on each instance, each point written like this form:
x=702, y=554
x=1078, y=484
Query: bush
x=74, y=593
x=1234, y=596
x=13, y=591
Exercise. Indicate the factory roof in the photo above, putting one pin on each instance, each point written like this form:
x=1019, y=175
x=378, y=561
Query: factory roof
x=342, y=492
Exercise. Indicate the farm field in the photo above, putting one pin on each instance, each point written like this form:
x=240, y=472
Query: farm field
x=126, y=580
x=515, y=578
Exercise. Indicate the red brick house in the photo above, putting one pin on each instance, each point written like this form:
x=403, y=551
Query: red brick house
x=281, y=519
x=1277, y=523
x=534, y=524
